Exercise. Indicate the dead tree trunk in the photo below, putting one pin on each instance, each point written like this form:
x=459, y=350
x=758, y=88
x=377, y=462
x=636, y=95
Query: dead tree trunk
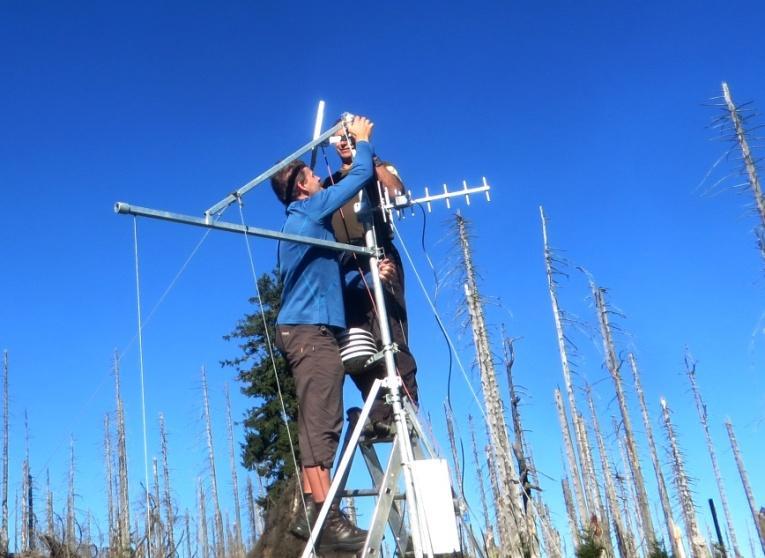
x=123, y=509
x=593, y=489
x=488, y=528
x=758, y=523
x=573, y=524
x=202, y=541
x=167, y=500
x=69, y=538
x=238, y=541
x=553, y=548
x=623, y=537
x=624, y=497
x=108, y=461
x=50, y=526
x=252, y=513
x=690, y=369
x=629, y=496
x=4, y=527
x=698, y=548
x=568, y=444
x=520, y=449
x=663, y=492
x=453, y=445
x=614, y=366
x=157, y=530
x=749, y=164
x=574, y=468
x=519, y=445
x=27, y=501
x=187, y=524
x=495, y=491
x=16, y=516
x=220, y=543
x=515, y=540
x=25, y=517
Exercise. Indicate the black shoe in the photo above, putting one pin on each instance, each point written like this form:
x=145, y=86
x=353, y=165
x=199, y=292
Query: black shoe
x=378, y=431
x=303, y=519
x=339, y=533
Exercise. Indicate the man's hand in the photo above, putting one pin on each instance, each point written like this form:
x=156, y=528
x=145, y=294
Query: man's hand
x=388, y=271
x=361, y=128
x=390, y=180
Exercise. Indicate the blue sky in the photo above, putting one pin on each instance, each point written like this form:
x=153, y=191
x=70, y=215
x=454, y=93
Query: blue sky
x=595, y=110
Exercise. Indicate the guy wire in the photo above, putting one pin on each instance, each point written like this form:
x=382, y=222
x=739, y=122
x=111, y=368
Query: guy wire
x=169, y=288
x=143, y=390
x=124, y=351
x=285, y=419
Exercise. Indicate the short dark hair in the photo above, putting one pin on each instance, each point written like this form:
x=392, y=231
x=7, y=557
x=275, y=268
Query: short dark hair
x=284, y=181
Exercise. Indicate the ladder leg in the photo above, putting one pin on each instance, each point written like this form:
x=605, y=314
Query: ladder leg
x=395, y=516
x=388, y=488
x=341, y=473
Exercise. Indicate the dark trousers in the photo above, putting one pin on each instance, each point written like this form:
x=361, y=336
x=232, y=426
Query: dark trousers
x=314, y=359
x=360, y=312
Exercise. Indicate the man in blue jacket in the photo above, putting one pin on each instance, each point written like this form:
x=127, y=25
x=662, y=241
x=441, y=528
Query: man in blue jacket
x=311, y=314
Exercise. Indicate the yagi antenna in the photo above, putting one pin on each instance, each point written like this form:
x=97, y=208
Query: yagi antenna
x=402, y=201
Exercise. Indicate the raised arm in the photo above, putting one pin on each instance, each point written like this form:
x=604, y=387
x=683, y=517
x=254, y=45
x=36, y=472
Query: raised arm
x=328, y=201
x=389, y=179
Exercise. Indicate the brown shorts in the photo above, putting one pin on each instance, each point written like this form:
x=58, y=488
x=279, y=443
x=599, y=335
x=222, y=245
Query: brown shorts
x=314, y=358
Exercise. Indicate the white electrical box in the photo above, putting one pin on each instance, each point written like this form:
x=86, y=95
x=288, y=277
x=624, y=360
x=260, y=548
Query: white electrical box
x=434, y=500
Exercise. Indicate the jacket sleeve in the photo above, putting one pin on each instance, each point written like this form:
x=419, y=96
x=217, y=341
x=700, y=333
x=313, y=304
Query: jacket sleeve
x=325, y=203
x=355, y=281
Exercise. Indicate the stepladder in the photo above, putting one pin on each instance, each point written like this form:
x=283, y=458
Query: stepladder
x=425, y=523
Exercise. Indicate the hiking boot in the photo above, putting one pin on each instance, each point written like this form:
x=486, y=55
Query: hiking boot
x=376, y=431
x=384, y=429
x=304, y=519
x=339, y=533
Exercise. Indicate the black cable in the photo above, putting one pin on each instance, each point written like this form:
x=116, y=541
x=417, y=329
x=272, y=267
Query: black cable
x=435, y=295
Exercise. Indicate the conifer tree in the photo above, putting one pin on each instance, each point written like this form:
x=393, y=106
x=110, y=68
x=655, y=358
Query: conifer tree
x=266, y=448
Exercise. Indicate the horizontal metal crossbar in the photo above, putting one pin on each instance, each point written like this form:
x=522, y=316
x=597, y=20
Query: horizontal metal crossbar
x=231, y=198
x=127, y=209
x=365, y=492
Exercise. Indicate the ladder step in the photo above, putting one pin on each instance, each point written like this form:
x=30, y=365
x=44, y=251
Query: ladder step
x=363, y=492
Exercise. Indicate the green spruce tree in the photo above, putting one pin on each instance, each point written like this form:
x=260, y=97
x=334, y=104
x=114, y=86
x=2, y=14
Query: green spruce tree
x=589, y=547
x=266, y=449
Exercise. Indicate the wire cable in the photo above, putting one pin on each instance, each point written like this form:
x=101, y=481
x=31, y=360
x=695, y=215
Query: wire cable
x=143, y=389
x=437, y=316
x=167, y=290
x=269, y=344
x=87, y=406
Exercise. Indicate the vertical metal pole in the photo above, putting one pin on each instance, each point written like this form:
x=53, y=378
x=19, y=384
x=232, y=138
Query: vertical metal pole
x=717, y=527
x=317, y=131
x=418, y=529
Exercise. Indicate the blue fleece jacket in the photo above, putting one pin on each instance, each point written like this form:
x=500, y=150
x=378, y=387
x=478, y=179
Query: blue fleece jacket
x=313, y=291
